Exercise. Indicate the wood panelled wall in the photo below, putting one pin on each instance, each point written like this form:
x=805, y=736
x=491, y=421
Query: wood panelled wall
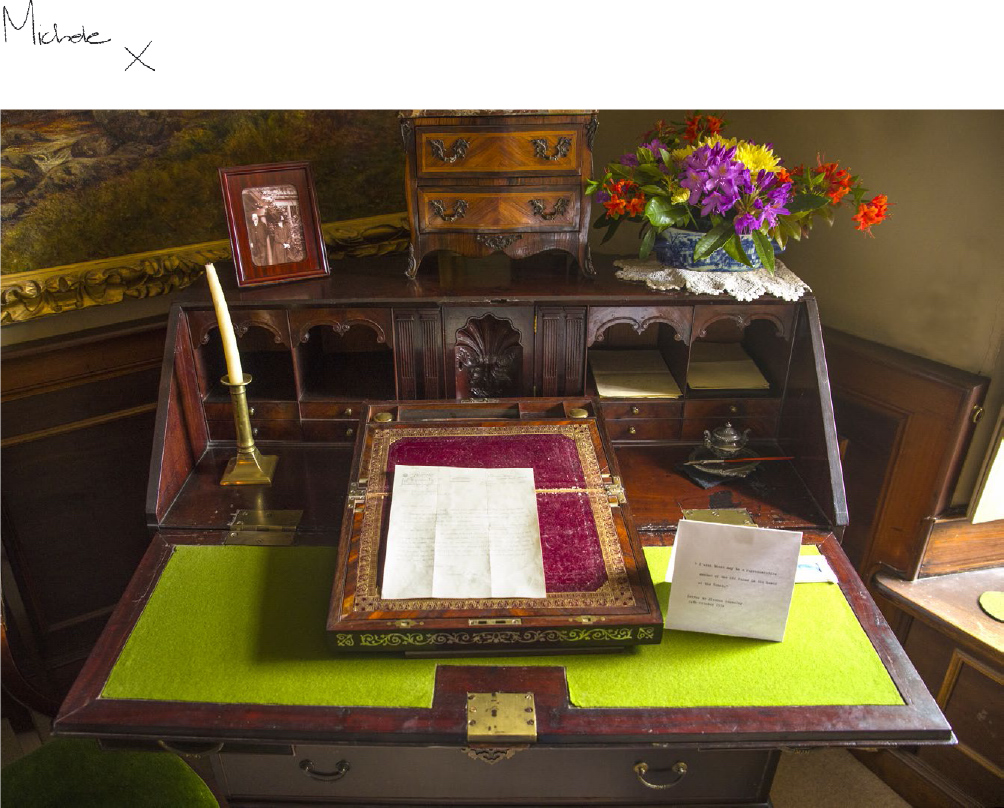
x=76, y=435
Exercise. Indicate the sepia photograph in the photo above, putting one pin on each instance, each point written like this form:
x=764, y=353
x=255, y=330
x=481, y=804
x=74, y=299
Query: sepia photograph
x=274, y=225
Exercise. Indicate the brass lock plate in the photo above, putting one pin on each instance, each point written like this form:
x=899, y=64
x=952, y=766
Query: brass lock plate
x=722, y=516
x=493, y=717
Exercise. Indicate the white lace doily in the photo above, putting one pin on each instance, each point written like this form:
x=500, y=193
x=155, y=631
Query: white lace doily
x=744, y=286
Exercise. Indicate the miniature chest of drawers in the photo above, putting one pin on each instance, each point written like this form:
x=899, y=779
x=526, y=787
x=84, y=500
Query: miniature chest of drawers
x=487, y=182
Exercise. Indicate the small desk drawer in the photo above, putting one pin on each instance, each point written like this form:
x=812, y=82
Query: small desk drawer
x=639, y=409
x=628, y=429
x=760, y=428
x=469, y=149
x=731, y=407
x=543, y=775
x=260, y=430
x=536, y=208
x=335, y=430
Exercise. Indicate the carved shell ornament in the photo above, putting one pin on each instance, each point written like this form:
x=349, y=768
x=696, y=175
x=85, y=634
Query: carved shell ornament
x=488, y=351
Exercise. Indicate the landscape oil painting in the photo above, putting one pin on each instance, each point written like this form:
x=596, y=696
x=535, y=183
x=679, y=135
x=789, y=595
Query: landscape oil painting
x=84, y=185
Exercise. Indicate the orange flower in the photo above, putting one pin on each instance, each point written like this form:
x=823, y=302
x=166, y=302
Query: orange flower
x=714, y=124
x=615, y=206
x=783, y=175
x=871, y=213
x=690, y=134
x=839, y=180
x=636, y=206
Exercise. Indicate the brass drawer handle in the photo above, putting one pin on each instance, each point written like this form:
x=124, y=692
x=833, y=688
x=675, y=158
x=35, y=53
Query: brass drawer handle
x=632, y=430
x=679, y=769
x=497, y=242
x=458, y=151
x=348, y=411
x=349, y=432
x=459, y=210
x=734, y=409
x=560, y=207
x=540, y=146
x=635, y=411
x=341, y=769
x=250, y=411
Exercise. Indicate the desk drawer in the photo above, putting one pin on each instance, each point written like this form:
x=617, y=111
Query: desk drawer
x=537, y=208
x=627, y=429
x=639, y=409
x=334, y=430
x=731, y=407
x=541, y=775
x=261, y=430
x=469, y=149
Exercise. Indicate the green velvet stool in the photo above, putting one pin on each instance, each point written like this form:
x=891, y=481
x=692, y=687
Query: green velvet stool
x=70, y=773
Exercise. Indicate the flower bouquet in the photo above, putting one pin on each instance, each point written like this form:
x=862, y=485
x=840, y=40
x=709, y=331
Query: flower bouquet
x=735, y=193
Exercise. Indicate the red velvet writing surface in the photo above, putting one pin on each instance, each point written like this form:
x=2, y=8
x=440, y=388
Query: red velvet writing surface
x=573, y=561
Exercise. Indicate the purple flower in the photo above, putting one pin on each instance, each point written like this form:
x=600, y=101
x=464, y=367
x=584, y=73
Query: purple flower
x=712, y=173
x=629, y=159
x=655, y=147
x=746, y=223
x=602, y=196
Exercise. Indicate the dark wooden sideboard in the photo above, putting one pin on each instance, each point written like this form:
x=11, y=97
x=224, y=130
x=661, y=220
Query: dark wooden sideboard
x=516, y=343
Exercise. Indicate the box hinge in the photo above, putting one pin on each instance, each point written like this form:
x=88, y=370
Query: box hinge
x=357, y=494
x=265, y=527
x=493, y=717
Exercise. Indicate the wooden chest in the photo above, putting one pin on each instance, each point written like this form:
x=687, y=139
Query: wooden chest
x=485, y=182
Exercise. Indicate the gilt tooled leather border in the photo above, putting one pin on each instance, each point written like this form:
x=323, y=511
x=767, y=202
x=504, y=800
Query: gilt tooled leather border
x=614, y=592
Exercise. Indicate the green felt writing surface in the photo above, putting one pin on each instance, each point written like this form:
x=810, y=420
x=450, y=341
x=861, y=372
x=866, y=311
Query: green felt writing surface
x=246, y=624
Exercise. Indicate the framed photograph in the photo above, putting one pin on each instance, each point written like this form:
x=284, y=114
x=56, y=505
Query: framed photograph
x=275, y=229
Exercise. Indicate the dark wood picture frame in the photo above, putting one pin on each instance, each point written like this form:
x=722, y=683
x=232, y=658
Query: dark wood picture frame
x=274, y=224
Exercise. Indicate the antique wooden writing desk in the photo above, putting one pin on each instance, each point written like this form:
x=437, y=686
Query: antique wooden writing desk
x=218, y=646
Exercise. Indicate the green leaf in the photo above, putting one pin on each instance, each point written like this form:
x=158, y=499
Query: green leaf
x=652, y=190
x=667, y=158
x=713, y=240
x=649, y=171
x=801, y=203
x=659, y=212
x=734, y=248
x=764, y=249
x=646, y=244
x=614, y=224
x=620, y=171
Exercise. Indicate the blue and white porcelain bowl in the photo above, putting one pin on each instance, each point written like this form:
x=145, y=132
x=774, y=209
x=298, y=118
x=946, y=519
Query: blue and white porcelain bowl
x=675, y=248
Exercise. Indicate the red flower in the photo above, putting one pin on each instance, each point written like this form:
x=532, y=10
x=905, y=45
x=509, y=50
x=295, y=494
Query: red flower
x=693, y=130
x=783, y=175
x=870, y=213
x=839, y=180
x=715, y=124
x=636, y=206
x=615, y=206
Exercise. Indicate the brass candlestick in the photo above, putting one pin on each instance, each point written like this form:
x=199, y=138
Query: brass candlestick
x=250, y=467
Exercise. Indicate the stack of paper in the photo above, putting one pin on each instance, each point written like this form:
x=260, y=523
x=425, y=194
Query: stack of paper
x=632, y=374
x=723, y=366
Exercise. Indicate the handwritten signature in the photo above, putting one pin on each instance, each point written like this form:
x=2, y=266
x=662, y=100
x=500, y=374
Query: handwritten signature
x=45, y=36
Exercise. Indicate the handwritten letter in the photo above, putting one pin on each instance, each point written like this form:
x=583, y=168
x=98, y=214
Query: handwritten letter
x=463, y=533
x=735, y=580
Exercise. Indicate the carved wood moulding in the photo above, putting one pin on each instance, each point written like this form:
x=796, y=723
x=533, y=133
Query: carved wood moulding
x=41, y=293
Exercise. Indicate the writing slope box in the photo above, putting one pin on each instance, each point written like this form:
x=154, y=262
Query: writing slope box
x=599, y=594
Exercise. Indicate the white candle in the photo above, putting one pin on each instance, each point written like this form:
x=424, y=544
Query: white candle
x=234, y=370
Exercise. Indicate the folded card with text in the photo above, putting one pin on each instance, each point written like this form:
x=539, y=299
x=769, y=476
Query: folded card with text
x=731, y=579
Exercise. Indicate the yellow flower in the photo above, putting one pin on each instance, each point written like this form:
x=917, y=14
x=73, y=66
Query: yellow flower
x=678, y=194
x=679, y=155
x=756, y=157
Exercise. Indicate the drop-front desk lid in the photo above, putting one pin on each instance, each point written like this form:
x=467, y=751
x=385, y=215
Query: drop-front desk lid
x=222, y=643
x=598, y=591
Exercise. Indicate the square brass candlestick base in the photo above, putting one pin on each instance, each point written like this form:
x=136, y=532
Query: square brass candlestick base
x=250, y=467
